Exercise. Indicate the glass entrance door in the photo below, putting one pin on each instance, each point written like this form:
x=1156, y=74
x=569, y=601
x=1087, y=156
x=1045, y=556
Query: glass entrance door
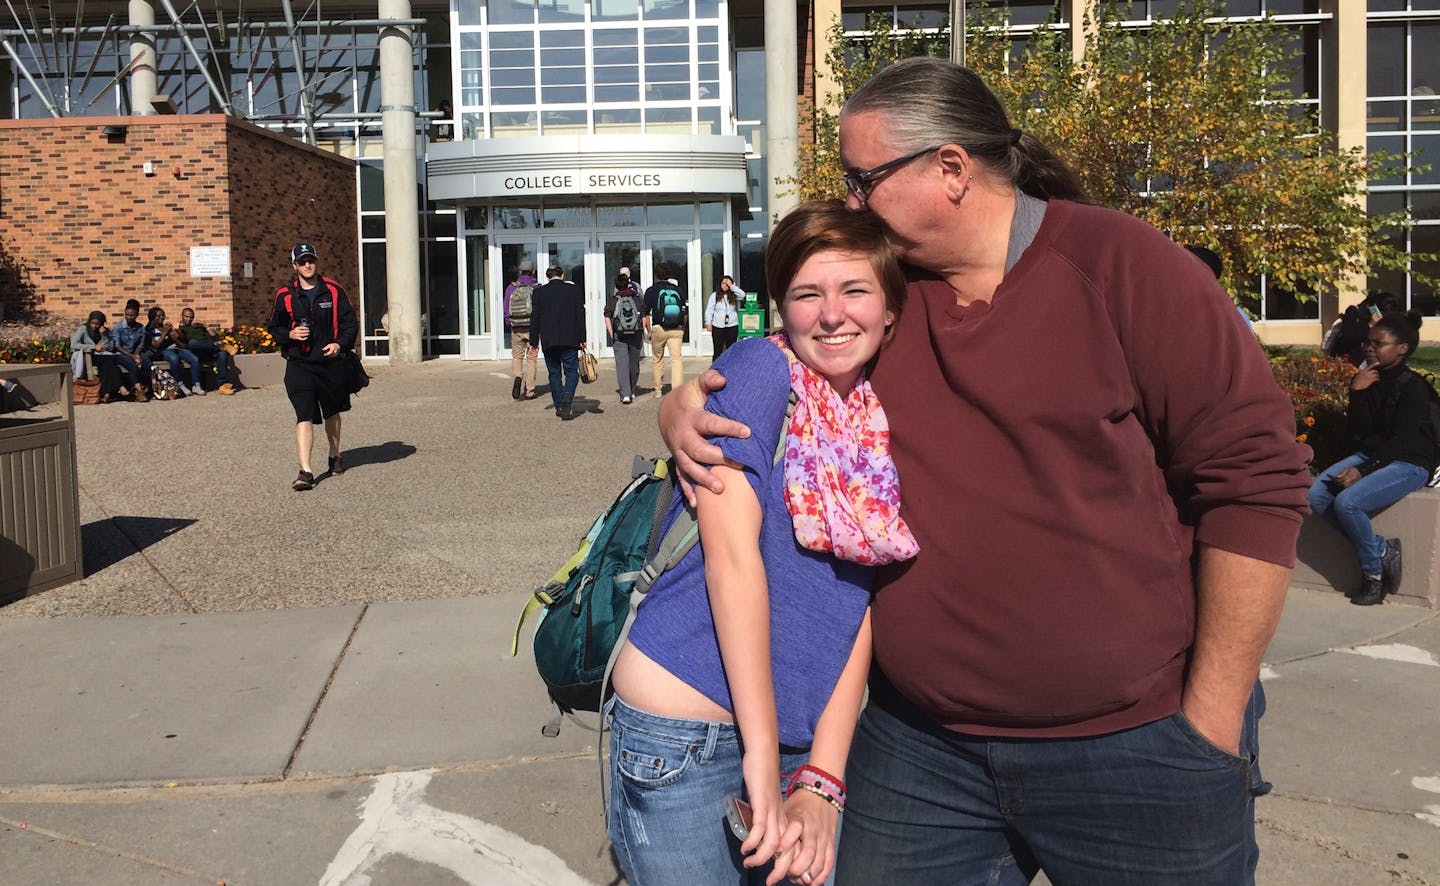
x=616, y=253
x=676, y=251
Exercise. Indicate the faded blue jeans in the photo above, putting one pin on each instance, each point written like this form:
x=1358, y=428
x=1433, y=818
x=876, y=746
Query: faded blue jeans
x=668, y=781
x=174, y=356
x=1350, y=511
x=1155, y=804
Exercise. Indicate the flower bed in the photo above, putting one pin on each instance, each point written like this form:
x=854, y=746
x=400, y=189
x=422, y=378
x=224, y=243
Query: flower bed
x=1319, y=389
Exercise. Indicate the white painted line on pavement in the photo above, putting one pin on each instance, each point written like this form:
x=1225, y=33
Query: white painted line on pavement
x=1394, y=652
x=396, y=820
x=1268, y=673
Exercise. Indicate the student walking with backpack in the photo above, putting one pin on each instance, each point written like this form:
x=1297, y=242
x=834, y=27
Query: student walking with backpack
x=624, y=320
x=518, y=308
x=558, y=328
x=666, y=309
x=722, y=315
x=743, y=672
x=1389, y=418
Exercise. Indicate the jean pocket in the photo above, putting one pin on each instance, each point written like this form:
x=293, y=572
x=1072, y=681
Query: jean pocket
x=1205, y=746
x=645, y=762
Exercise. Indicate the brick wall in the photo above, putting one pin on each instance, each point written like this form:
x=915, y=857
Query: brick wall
x=87, y=227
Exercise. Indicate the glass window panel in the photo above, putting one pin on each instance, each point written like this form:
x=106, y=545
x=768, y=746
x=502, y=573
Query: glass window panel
x=1425, y=61
x=471, y=70
x=617, y=120
x=1385, y=60
x=667, y=73
x=512, y=96
x=675, y=120
x=555, y=76
x=475, y=218
x=1163, y=8
x=372, y=259
x=512, y=124
x=372, y=227
x=566, y=217
x=512, y=40
x=708, y=34
x=617, y=94
x=565, y=122
x=502, y=77
x=1393, y=145
x=567, y=37
x=563, y=11
x=615, y=37
x=617, y=55
x=1425, y=4
x=618, y=74
x=470, y=12
x=614, y=10
x=671, y=215
x=1386, y=5
x=511, y=12
x=709, y=73
x=667, y=55
x=442, y=224
x=664, y=36
x=667, y=9
x=1305, y=79
x=472, y=125
x=750, y=84
x=372, y=186
x=712, y=214
x=756, y=167
x=709, y=121
x=1385, y=116
x=1384, y=202
x=1425, y=113
x=1427, y=153
x=1424, y=205
x=707, y=9
x=513, y=58
x=926, y=17
x=620, y=216
x=668, y=92
x=557, y=58
x=471, y=40
x=515, y=218
x=566, y=95
x=1424, y=238
x=707, y=52
x=442, y=290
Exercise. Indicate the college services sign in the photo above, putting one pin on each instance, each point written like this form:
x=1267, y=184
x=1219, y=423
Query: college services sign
x=586, y=165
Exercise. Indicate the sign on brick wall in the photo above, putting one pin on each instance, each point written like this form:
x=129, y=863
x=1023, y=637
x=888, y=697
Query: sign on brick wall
x=209, y=261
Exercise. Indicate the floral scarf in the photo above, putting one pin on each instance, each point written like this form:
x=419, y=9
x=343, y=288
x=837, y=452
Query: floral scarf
x=840, y=484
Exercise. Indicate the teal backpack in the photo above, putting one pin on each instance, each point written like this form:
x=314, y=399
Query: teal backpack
x=590, y=603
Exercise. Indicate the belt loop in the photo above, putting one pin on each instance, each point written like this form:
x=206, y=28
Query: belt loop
x=712, y=737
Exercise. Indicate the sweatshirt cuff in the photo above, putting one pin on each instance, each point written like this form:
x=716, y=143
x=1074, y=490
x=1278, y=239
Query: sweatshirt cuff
x=1260, y=533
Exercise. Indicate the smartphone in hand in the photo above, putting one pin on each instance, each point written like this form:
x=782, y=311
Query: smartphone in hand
x=737, y=815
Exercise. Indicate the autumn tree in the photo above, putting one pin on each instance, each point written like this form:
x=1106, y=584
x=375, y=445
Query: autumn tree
x=1190, y=124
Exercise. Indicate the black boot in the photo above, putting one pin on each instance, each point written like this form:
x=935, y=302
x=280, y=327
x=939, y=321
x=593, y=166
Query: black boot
x=1372, y=592
x=515, y=390
x=1390, y=566
x=565, y=411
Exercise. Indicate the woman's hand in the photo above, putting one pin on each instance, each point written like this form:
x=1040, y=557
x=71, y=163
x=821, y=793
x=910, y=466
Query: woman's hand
x=1348, y=477
x=767, y=820
x=1364, y=378
x=685, y=425
x=813, y=856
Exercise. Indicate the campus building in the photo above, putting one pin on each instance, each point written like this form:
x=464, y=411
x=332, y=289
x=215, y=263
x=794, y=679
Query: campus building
x=600, y=134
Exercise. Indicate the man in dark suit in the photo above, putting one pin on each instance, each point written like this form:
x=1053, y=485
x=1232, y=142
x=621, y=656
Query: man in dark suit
x=557, y=326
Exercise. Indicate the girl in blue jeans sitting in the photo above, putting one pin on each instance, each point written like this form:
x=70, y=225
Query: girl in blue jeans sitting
x=744, y=671
x=1389, y=418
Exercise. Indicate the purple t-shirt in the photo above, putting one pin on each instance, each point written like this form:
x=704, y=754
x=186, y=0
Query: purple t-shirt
x=816, y=601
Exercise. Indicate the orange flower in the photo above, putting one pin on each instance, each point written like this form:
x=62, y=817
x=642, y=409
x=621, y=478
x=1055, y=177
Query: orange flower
x=1309, y=421
x=1302, y=438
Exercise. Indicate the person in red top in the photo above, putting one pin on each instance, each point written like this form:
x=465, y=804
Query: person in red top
x=1104, y=482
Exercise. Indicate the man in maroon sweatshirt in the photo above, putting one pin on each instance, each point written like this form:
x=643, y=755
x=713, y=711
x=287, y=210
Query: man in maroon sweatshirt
x=1105, y=483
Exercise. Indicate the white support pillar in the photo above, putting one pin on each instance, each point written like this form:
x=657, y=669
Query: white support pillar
x=142, y=59
x=402, y=221
x=1342, y=111
x=782, y=76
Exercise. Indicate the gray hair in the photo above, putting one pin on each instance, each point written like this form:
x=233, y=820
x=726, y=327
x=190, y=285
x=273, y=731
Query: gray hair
x=930, y=101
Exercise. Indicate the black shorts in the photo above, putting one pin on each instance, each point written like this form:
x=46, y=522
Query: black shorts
x=316, y=390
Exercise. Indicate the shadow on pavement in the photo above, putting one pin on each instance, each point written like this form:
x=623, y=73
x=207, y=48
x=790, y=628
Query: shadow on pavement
x=107, y=542
x=378, y=454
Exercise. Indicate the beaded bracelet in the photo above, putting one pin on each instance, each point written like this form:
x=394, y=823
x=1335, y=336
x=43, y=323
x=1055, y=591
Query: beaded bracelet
x=838, y=803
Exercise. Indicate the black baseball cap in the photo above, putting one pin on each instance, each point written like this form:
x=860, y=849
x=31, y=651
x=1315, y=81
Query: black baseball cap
x=300, y=251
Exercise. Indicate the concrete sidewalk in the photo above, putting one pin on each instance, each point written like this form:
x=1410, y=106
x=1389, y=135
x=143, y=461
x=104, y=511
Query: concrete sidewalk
x=256, y=686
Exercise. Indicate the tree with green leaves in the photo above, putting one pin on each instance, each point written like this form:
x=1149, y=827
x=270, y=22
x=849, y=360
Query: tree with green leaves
x=1190, y=124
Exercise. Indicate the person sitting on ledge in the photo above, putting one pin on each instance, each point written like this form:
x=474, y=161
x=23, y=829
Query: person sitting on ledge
x=197, y=338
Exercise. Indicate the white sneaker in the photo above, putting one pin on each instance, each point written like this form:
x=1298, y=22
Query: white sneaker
x=197, y=390
x=624, y=399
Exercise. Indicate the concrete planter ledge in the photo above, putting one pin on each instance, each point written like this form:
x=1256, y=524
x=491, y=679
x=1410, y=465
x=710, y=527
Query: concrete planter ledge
x=1326, y=561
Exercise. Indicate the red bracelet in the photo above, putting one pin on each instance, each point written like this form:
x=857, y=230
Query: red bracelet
x=821, y=773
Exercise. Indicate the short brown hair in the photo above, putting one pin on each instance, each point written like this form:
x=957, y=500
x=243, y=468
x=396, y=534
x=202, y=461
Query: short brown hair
x=824, y=226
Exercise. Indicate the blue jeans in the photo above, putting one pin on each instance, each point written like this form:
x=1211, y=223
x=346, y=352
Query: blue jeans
x=668, y=780
x=139, y=372
x=1154, y=804
x=1350, y=511
x=567, y=359
x=175, y=355
x=208, y=350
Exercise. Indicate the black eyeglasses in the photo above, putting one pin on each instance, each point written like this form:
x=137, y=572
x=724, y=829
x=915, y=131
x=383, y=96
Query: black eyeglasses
x=862, y=183
x=1377, y=343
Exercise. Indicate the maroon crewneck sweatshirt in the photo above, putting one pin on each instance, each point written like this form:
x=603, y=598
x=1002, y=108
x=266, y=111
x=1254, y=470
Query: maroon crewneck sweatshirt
x=1061, y=449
